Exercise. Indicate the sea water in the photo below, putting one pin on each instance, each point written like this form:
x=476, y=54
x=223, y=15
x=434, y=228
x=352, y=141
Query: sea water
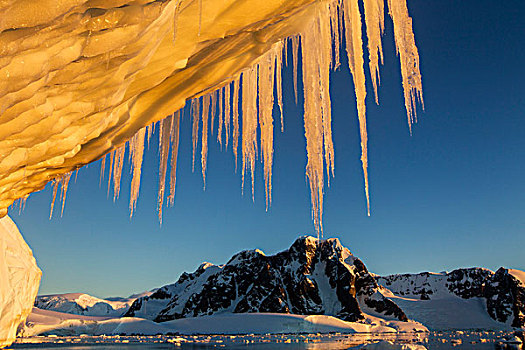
x=477, y=340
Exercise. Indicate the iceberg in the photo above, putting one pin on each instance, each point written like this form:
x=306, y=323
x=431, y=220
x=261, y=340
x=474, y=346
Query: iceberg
x=19, y=280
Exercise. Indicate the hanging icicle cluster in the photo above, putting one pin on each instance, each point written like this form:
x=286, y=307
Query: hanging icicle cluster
x=253, y=93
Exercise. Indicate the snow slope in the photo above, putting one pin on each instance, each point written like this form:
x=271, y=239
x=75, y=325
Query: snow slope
x=59, y=323
x=261, y=323
x=51, y=322
x=471, y=298
x=449, y=313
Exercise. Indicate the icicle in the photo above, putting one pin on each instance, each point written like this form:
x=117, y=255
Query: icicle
x=335, y=29
x=136, y=150
x=266, y=85
x=295, y=58
x=151, y=129
x=174, y=136
x=285, y=50
x=278, y=78
x=354, y=48
x=220, y=116
x=195, y=109
x=117, y=169
x=375, y=26
x=315, y=62
x=249, y=123
x=20, y=205
x=324, y=39
x=102, y=170
x=111, y=160
x=23, y=202
x=204, y=149
x=227, y=113
x=165, y=130
x=55, y=188
x=235, y=116
x=213, y=110
x=65, y=182
x=408, y=56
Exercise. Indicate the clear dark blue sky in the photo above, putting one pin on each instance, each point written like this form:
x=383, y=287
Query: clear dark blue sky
x=452, y=195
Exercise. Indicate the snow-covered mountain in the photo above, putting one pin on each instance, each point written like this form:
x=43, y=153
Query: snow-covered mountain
x=85, y=304
x=311, y=277
x=315, y=277
x=463, y=298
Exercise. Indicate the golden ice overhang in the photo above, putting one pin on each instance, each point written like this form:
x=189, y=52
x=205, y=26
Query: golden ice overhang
x=79, y=79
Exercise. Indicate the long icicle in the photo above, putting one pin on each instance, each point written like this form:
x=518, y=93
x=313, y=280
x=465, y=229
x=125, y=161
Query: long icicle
x=249, y=123
x=354, y=49
x=117, y=170
x=195, y=110
x=221, y=117
x=235, y=118
x=375, y=26
x=174, y=137
x=409, y=58
x=279, y=77
x=136, y=151
x=295, y=58
x=313, y=124
x=213, y=110
x=266, y=86
x=164, y=147
x=227, y=113
x=65, y=182
x=102, y=170
x=324, y=37
x=204, y=145
x=111, y=160
x=335, y=29
x=55, y=184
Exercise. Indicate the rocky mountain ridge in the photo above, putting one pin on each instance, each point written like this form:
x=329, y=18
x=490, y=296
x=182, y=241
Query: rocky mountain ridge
x=502, y=291
x=311, y=277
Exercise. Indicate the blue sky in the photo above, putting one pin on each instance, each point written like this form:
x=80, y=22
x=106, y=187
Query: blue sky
x=451, y=195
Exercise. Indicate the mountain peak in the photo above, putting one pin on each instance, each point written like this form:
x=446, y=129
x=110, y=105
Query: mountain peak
x=313, y=276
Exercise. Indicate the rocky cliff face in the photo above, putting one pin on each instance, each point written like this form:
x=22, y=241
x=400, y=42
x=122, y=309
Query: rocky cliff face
x=502, y=292
x=312, y=277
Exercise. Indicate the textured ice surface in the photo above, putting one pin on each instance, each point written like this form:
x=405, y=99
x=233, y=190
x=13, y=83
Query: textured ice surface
x=19, y=280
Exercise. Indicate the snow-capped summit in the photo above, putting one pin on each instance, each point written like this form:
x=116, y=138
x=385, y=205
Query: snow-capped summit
x=85, y=304
x=312, y=277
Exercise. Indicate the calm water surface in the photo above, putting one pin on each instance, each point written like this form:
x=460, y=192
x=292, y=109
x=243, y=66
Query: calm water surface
x=418, y=341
